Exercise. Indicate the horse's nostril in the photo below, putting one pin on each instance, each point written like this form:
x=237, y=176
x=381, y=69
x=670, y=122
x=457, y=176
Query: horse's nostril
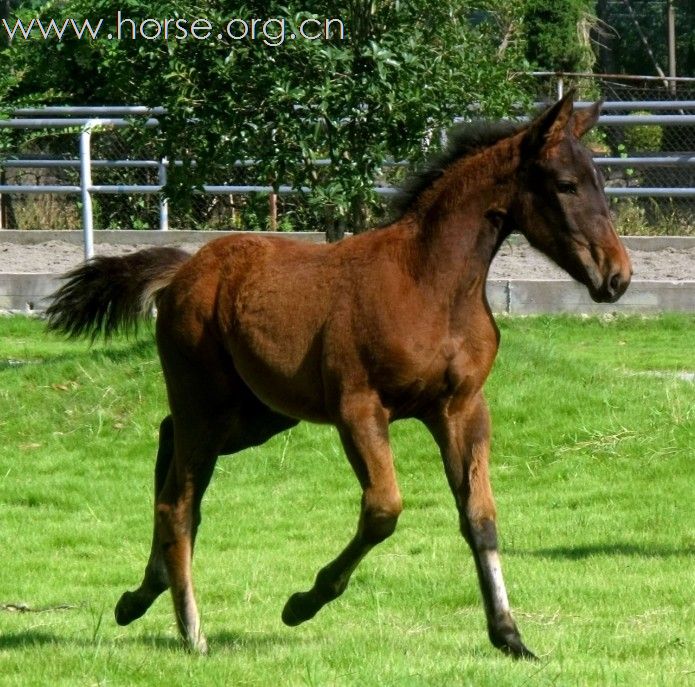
x=614, y=283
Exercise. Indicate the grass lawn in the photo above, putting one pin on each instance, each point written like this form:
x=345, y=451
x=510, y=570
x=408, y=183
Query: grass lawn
x=593, y=471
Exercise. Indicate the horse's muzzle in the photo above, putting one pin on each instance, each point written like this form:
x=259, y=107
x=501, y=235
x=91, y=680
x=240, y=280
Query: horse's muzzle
x=612, y=288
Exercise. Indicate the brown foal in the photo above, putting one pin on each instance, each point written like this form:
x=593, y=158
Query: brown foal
x=255, y=334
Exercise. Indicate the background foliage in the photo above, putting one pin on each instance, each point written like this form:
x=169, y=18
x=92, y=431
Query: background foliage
x=558, y=34
x=386, y=90
x=622, y=49
x=403, y=71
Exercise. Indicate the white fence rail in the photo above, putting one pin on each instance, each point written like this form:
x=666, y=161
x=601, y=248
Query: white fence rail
x=92, y=119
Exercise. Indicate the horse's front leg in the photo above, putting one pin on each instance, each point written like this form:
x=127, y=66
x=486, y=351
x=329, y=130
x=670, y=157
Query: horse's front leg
x=364, y=432
x=462, y=431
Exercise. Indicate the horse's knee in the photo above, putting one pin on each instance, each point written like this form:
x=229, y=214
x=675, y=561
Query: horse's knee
x=164, y=522
x=172, y=524
x=481, y=535
x=380, y=518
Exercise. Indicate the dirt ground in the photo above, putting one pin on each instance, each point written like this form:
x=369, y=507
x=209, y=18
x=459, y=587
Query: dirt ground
x=512, y=262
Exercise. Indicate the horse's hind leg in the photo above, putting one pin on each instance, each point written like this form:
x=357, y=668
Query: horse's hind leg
x=177, y=519
x=185, y=462
x=132, y=605
x=364, y=432
x=197, y=446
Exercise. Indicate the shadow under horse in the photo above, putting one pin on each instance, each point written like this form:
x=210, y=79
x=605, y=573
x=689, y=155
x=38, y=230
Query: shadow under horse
x=257, y=333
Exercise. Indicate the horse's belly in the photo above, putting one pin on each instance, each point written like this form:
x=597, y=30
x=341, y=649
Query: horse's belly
x=271, y=320
x=283, y=371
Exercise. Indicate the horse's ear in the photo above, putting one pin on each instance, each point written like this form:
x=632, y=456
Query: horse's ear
x=550, y=127
x=583, y=120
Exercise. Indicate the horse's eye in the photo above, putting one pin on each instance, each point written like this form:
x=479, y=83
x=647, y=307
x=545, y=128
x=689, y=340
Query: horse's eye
x=567, y=187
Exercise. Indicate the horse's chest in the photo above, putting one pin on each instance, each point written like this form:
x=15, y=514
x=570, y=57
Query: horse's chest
x=419, y=377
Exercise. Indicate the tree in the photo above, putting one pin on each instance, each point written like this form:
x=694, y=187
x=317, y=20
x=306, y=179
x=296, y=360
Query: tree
x=625, y=51
x=388, y=76
x=558, y=34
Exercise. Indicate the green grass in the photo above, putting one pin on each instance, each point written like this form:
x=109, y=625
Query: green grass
x=592, y=471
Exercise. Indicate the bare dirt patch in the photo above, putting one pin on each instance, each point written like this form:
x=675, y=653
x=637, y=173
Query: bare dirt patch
x=514, y=261
x=523, y=262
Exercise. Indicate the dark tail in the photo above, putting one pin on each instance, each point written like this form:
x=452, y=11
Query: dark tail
x=107, y=294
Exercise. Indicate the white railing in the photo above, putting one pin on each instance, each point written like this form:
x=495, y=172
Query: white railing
x=92, y=119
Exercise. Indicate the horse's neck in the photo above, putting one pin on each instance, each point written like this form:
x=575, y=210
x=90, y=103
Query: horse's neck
x=463, y=233
x=461, y=216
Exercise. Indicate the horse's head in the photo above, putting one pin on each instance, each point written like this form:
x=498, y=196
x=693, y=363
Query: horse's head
x=561, y=207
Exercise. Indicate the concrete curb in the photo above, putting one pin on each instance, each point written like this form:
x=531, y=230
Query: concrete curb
x=28, y=293
x=535, y=297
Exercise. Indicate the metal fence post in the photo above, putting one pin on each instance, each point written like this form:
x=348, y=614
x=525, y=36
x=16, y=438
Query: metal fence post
x=163, y=200
x=85, y=189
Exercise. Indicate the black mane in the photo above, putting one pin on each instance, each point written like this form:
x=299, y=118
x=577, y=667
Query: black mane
x=462, y=140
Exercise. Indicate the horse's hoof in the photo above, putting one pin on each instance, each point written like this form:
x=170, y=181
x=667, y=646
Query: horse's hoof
x=198, y=646
x=299, y=608
x=129, y=607
x=509, y=641
x=514, y=647
x=520, y=652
